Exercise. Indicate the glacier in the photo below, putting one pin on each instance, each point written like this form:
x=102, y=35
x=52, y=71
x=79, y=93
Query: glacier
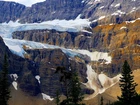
x=6, y=29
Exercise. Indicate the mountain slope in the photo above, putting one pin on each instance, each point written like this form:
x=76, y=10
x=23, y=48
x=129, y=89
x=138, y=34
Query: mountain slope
x=93, y=37
x=114, y=10
x=10, y=11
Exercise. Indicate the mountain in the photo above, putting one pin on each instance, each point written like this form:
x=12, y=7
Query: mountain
x=114, y=11
x=10, y=11
x=93, y=37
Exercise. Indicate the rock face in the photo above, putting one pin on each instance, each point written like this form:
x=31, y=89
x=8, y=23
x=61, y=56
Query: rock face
x=102, y=38
x=98, y=11
x=97, y=8
x=25, y=69
x=113, y=19
x=53, y=37
x=80, y=40
x=120, y=40
x=10, y=11
x=53, y=9
x=48, y=61
x=41, y=63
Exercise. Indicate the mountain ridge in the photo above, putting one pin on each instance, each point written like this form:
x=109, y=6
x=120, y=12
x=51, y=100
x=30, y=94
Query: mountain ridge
x=89, y=9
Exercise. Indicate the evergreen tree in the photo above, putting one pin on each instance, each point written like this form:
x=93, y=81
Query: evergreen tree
x=72, y=85
x=65, y=77
x=76, y=95
x=102, y=103
x=4, y=84
x=127, y=85
x=57, y=99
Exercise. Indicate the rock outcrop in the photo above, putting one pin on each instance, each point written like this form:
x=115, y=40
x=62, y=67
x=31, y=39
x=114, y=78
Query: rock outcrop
x=52, y=9
x=41, y=63
x=120, y=40
x=10, y=11
x=48, y=60
x=98, y=11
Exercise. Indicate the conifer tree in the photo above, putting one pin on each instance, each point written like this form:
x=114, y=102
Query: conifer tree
x=102, y=103
x=57, y=99
x=127, y=85
x=65, y=77
x=70, y=79
x=4, y=84
x=76, y=95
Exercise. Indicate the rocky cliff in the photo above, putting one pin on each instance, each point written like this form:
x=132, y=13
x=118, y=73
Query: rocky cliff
x=40, y=63
x=98, y=11
x=53, y=9
x=10, y=11
x=120, y=40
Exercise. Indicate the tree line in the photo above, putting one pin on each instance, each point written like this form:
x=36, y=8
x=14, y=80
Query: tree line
x=127, y=84
x=4, y=83
x=72, y=86
x=74, y=96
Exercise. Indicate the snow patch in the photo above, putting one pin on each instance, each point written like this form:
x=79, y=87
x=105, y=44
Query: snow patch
x=94, y=21
x=82, y=1
x=101, y=7
x=123, y=27
x=87, y=31
x=133, y=21
x=46, y=97
x=102, y=17
x=15, y=76
x=97, y=0
x=95, y=56
x=38, y=78
x=133, y=9
x=111, y=24
x=15, y=85
x=117, y=5
x=119, y=12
